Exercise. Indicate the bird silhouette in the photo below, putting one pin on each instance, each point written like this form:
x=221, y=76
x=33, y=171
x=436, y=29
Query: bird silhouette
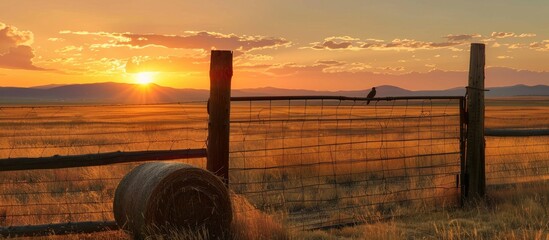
x=372, y=94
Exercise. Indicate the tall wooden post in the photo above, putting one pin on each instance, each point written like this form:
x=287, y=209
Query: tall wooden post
x=219, y=108
x=462, y=148
x=475, y=159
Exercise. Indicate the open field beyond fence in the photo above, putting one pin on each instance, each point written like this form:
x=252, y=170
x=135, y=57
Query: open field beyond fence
x=308, y=164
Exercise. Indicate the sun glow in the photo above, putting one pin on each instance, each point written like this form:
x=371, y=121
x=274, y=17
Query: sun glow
x=144, y=78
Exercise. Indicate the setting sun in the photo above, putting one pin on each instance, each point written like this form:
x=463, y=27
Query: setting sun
x=144, y=78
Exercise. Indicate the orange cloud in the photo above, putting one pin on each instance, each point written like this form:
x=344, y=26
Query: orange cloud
x=452, y=42
x=332, y=45
x=523, y=35
x=461, y=37
x=512, y=34
x=15, y=52
x=540, y=46
x=19, y=57
x=204, y=40
x=10, y=36
x=349, y=43
x=504, y=57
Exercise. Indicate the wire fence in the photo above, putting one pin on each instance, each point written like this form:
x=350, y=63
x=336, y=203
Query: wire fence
x=34, y=197
x=318, y=163
x=516, y=159
x=308, y=163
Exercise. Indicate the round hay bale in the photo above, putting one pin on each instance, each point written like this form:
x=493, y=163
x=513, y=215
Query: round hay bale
x=162, y=198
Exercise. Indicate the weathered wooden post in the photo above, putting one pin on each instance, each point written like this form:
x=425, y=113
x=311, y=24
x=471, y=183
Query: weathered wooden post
x=219, y=108
x=475, y=159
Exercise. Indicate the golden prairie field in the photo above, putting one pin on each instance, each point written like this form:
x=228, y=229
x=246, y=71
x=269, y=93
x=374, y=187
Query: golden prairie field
x=295, y=166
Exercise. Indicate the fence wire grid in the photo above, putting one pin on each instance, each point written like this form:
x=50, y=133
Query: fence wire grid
x=517, y=159
x=35, y=197
x=306, y=163
x=323, y=163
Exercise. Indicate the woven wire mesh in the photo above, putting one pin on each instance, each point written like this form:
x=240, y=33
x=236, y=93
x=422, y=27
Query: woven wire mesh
x=517, y=159
x=34, y=197
x=323, y=163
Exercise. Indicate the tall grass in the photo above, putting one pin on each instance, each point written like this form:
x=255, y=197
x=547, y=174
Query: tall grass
x=519, y=212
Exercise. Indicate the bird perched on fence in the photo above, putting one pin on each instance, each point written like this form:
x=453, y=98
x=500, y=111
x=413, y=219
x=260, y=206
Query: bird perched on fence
x=372, y=94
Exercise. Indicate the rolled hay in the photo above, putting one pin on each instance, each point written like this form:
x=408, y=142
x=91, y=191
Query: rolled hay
x=160, y=198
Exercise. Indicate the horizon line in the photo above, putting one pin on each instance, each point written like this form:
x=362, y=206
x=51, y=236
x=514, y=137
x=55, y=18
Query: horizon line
x=340, y=90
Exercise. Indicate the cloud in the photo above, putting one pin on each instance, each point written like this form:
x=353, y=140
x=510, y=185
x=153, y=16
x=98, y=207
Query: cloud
x=512, y=34
x=335, y=43
x=117, y=36
x=15, y=50
x=332, y=45
x=19, y=57
x=408, y=44
x=502, y=34
x=525, y=35
x=253, y=57
x=204, y=40
x=342, y=38
x=70, y=48
x=189, y=40
x=350, y=43
x=461, y=37
x=514, y=46
x=249, y=66
x=329, y=62
x=454, y=42
x=540, y=46
x=10, y=37
x=504, y=57
x=53, y=39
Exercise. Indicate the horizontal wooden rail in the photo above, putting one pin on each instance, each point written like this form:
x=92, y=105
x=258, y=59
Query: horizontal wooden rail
x=516, y=132
x=57, y=229
x=341, y=98
x=100, y=159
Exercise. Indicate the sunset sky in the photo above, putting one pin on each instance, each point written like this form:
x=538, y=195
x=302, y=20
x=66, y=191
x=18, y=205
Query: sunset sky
x=315, y=44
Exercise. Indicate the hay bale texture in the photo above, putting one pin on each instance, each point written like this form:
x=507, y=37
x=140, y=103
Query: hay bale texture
x=160, y=198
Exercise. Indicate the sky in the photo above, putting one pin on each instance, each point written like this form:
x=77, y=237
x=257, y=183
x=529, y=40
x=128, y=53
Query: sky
x=297, y=44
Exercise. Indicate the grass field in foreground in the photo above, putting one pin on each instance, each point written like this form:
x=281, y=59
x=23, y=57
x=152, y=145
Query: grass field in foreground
x=510, y=214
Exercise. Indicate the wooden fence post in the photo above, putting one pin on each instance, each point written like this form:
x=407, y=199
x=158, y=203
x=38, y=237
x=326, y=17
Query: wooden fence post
x=219, y=108
x=475, y=158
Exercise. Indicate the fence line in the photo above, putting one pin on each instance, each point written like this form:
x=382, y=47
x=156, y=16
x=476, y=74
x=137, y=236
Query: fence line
x=517, y=146
x=516, y=132
x=313, y=163
x=340, y=98
x=101, y=159
x=75, y=156
x=322, y=162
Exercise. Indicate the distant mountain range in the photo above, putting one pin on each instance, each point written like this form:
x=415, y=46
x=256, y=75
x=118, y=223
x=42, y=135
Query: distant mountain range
x=110, y=92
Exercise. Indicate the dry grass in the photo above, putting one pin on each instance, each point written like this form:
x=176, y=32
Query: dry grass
x=510, y=213
x=518, y=212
